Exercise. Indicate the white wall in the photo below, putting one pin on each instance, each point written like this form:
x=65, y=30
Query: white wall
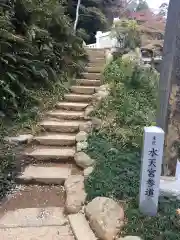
x=104, y=39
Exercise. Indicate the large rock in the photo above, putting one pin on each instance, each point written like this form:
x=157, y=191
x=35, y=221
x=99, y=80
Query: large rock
x=170, y=187
x=104, y=88
x=81, y=136
x=106, y=217
x=96, y=123
x=108, y=56
x=80, y=227
x=134, y=56
x=80, y=146
x=87, y=172
x=88, y=112
x=101, y=93
x=96, y=100
x=130, y=238
x=83, y=160
x=75, y=194
x=86, y=127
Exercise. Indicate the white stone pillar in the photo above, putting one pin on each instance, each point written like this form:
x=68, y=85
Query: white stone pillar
x=151, y=170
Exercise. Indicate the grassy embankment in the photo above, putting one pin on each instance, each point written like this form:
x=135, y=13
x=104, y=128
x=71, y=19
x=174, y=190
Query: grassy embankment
x=117, y=150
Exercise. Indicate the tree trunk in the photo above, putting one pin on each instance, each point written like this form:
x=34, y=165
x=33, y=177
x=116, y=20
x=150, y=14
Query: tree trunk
x=77, y=15
x=168, y=115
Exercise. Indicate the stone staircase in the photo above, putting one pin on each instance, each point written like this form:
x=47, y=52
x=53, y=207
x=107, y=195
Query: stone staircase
x=57, y=143
x=53, y=154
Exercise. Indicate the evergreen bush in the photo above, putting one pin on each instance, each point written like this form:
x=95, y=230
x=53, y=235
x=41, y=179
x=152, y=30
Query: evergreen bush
x=37, y=49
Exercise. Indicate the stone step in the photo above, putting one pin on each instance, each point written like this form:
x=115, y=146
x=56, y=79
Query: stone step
x=96, y=63
x=61, y=126
x=99, y=60
x=94, y=49
x=35, y=233
x=93, y=76
x=75, y=106
x=44, y=175
x=96, y=52
x=33, y=217
x=78, y=97
x=68, y=115
x=52, y=153
x=87, y=82
x=95, y=69
x=92, y=57
x=80, y=227
x=35, y=223
x=57, y=139
x=83, y=89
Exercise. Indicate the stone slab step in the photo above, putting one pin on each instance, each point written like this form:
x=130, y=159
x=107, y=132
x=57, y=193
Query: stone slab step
x=96, y=64
x=68, y=115
x=61, y=126
x=93, y=76
x=78, y=97
x=35, y=233
x=96, y=55
x=94, y=69
x=75, y=106
x=80, y=227
x=83, y=89
x=57, y=139
x=96, y=59
x=52, y=153
x=94, y=49
x=33, y=217
x=96, y=52
x=87, y=82
x=45, y=175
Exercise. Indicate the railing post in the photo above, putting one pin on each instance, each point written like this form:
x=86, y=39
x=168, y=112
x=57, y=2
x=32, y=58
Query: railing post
x=98, y=35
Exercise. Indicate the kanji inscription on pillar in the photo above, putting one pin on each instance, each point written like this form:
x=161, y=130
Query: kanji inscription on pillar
x=152, y=155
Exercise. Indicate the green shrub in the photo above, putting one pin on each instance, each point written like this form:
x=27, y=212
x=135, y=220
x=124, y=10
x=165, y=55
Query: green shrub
x=132, y=102
x=116, y=148
x=130, y=107
x=127, y=33
x=39, y=54
x=37, y=47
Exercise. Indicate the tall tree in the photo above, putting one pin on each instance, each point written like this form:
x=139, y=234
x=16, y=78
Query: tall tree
x=77, y=15
x=91, y=17
x=94, y=15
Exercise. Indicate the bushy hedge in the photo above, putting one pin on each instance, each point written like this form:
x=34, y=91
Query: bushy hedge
x=132, y=102
x=37, y=48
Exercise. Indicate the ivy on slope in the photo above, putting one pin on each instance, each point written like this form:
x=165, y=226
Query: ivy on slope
x=116, y=148
x=37, y=48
